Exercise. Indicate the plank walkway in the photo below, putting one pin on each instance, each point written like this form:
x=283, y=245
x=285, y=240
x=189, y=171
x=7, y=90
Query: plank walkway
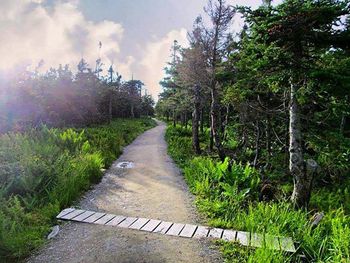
x=178, y=229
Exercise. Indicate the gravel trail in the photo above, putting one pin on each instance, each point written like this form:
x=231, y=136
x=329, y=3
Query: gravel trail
x=153, y=188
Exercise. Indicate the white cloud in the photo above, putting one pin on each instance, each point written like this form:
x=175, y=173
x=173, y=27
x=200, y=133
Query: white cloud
x=156, y=55
x=31, y=31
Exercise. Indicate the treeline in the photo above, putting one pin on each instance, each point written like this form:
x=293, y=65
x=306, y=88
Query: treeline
x=275, y=94
x=61, y=98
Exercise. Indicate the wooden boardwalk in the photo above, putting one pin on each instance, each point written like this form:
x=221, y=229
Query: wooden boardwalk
x=178, y=229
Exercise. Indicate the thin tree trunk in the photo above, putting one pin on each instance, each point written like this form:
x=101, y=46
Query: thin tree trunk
x=302, y=180
x=195, y=121
x=268, y=140
x=342, y=124
x=215, y=121
x=343, y=120
x=202, y=121
x=257, y=143
x=225, y=123
x=174, y=118
x=211, y=138
x=132, y=111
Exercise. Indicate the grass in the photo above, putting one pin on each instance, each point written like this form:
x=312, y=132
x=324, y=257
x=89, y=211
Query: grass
x=44, y=170
x=229, y=199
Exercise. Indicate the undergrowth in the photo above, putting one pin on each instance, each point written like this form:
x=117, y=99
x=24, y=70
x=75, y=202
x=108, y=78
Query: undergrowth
x=45, y=170
x=230, y=199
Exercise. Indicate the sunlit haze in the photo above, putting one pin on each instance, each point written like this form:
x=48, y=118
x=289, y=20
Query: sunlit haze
x=136, y=36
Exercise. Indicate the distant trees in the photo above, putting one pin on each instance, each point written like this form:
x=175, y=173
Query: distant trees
x=61, y=98
x=193, y=78
x=279, y=89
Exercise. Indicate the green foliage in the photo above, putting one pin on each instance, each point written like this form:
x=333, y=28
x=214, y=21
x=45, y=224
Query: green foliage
x=61, y=98
x=229, y=199
x=180, y=144
x=44, y=170
x=333, y=155
x=235, y=184
x=326, y=199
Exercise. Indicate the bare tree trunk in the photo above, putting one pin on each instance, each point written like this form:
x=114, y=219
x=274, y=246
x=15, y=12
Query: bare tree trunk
x=174, y=118
x=257, y=143
x=195, y=121
x=342, y=124
x=211, y=138
x=302, y=179
x=268, y=140
x=225, y=123
x=215, y=122
x=343, y=120
x=186, y=121
x=202, y=120
x=132, y=110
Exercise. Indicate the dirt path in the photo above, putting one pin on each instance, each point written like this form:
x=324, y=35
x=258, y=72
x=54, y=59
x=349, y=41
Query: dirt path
x=154, y=189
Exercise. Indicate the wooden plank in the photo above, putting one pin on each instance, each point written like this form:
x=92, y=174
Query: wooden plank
x=215, y=233
x=105, y=219
x=115, y=221
x=175, y=229
x=163, y=227
x=257, y=240
x=83, y=216
x=243, y=238
x=139, y=223
x=201, y=232
x=188, y=230
x=72, y=214
x=287, y=244
x=93, y=218
x=65, y=212
x=229, y=235
x=127, y=222
x=272, y=242
x=151, y=225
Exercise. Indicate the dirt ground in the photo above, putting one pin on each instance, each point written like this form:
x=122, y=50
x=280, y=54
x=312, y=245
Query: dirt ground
x=153, y=188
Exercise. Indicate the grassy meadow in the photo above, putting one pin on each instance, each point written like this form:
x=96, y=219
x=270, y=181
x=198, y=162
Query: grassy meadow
x=44, y=170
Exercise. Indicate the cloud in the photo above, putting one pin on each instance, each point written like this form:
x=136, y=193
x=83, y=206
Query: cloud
x=156, y=54
x=58, y=34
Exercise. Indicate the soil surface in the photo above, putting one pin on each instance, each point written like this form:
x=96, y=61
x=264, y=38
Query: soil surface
x=153, y=188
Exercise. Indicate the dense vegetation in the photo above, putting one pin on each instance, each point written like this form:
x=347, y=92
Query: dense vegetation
x=44, y=170
x=268, y=142
x=61, y=98
x=58, y=130
x=231, y=198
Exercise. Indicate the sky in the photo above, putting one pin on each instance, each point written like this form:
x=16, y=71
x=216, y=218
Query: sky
x=136, y=35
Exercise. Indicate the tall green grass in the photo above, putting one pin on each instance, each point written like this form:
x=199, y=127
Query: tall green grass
x=229, y=199
x=45, y=170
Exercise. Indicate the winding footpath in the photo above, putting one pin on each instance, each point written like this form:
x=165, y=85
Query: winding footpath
x=153, y=188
